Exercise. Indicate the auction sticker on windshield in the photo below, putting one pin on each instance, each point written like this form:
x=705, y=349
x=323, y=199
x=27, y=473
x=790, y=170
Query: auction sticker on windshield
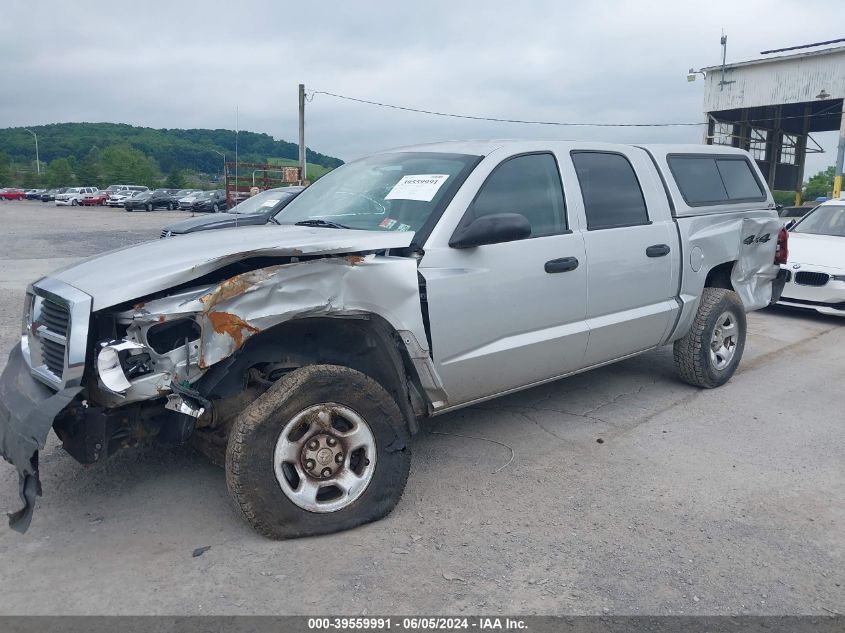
x=421, y=187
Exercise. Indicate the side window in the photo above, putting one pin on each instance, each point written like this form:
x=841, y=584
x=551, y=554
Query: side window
x=529, y=185
x=715, y=179
x=611, y=191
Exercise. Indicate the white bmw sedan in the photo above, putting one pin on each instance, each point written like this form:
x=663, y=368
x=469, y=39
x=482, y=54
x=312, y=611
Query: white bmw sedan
x=816, y=260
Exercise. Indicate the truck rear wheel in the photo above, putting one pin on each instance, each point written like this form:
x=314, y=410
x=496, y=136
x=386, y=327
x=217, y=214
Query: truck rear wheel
x=708, y=355
x=325, y=449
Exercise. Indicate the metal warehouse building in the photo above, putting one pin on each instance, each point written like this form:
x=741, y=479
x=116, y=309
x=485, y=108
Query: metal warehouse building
x=772, y=106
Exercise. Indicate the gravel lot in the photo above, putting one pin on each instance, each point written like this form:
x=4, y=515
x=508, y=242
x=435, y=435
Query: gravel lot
x=728, y=501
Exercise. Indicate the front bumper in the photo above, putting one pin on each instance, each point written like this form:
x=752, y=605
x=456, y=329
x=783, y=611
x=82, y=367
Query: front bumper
x=27, y=411
x=827, y=298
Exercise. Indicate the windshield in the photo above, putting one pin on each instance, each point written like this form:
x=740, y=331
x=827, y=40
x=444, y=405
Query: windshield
x=143, y=194
x=263, y=202
x=823, y=220
x=386, y=192
x=205, y=195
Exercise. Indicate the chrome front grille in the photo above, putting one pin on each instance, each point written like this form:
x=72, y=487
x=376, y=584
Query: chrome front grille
x=807, y=278
x=56, y=336
x=53, y=355
x=55, y=316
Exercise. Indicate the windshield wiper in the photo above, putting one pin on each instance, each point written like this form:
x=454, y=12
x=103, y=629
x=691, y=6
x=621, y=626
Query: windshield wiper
x=323, y=223
x=273, y=219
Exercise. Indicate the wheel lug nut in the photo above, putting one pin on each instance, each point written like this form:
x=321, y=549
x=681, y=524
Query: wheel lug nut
x=339, y=458
x=309, y=464
x=330, y=441
x=326, y=472
x=313, y=445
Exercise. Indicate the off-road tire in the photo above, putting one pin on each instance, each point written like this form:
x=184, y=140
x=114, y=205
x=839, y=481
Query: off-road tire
x=250, y=474
x=692, y=352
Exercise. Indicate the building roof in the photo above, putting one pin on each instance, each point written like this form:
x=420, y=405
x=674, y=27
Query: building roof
x=778, y=58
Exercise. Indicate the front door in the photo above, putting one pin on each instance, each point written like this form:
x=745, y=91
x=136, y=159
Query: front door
x=511, y=314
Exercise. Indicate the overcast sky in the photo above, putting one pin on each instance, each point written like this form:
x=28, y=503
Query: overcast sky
x=190, y=63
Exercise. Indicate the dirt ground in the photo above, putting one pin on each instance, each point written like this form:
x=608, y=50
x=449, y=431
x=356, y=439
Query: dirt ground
x=628, y=492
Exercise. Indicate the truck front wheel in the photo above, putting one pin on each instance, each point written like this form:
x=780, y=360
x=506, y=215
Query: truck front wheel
x=708, y=355
x=325, y=449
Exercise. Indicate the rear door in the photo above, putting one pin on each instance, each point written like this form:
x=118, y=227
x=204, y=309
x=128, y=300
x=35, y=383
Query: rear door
x=631, y=245
x=503, y=316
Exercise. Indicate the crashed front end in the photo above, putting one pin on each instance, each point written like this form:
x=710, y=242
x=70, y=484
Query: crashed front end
x=124, y=374
x=86, y=375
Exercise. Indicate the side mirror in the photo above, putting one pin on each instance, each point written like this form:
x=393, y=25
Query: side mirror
x=789, y=224
x=492, y=229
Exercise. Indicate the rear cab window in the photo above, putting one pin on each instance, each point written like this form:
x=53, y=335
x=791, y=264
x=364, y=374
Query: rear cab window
x=715, y=179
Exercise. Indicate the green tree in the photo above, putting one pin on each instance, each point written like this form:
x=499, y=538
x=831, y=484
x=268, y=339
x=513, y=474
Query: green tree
x=819, y=185
x=5, y=170
x=30, y=180
x=88, y=171
x=786, y=198
x=59, y=173
x=175, y=180
x=121, y=164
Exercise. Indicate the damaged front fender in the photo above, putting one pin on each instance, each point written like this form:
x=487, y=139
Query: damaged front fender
x=243, y=306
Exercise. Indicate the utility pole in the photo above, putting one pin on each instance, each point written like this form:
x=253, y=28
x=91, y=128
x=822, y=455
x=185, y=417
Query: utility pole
x=224, y=160
x=302, y=164
x=840, y=158
x=37, y=161
x=235, y=201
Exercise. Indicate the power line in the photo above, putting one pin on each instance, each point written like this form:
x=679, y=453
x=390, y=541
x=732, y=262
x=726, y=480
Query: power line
x=311, y=94
x=499, y=120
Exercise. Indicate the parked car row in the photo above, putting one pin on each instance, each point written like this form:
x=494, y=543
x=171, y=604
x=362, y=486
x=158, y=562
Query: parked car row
x=156, y=199
x=259, y=209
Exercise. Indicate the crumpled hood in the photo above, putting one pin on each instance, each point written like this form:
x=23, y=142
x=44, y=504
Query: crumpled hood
x=137, y=271
x=817, y=250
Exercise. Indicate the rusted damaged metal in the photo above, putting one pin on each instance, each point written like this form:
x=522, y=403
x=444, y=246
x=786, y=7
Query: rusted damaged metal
x=231, y=324
x=235, y=309
x=341, y=286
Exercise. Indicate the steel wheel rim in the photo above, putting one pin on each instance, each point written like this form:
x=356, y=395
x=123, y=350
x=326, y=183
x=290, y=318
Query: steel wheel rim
x=316, y=474
x=723, y=341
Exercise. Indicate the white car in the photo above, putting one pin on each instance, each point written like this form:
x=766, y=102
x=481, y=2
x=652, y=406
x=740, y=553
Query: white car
x=816, y=261
x=74, y=194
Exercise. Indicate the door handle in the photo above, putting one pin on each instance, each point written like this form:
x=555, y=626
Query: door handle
x=561, y=265
x=658, y=250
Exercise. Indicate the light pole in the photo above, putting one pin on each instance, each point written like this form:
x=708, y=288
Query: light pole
x=224, y=160
x=37, y=162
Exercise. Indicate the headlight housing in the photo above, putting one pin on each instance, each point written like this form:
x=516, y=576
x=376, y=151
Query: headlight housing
x=118, y=361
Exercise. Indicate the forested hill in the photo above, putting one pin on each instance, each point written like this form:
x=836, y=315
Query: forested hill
x=172, y=149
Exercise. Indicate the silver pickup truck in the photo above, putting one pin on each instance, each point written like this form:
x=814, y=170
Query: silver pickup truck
x=398, y=287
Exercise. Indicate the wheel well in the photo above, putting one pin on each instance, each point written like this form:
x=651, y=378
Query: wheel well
x=720, y=276
x=367, y=343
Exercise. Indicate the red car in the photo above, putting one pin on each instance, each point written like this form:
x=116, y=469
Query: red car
x=12, y=194
x=95, y=199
